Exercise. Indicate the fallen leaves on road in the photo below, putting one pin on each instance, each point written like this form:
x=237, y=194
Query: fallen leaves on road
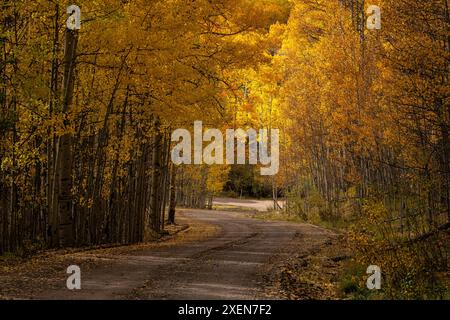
x=309, y=270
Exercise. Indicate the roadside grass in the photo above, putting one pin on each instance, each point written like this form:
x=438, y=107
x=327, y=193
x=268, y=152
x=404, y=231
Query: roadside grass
x=277, y=216
x=220, y=207
x=338, y=226
x=352, y=283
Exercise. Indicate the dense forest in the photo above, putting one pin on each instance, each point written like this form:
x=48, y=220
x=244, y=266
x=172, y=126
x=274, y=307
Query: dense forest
x=86, y=118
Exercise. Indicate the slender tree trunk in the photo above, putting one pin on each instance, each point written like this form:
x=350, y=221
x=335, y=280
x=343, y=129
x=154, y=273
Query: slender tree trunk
x=65, y=201
x=52, y=231
x=156, y=178
x=173, y=195
x=166, y=179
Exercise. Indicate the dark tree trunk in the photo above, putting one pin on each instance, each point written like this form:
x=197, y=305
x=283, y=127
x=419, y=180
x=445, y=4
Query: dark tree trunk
x=173, y=196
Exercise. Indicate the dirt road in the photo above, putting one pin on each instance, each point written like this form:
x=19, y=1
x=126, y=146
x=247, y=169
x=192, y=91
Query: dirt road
x=234, y=264
x=257, y=205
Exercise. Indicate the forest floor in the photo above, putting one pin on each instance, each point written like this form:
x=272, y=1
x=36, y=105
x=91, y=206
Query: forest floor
x=223, y=254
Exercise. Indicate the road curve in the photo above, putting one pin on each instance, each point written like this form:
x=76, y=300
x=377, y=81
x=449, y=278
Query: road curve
x=231, y=265
x=252, y=204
